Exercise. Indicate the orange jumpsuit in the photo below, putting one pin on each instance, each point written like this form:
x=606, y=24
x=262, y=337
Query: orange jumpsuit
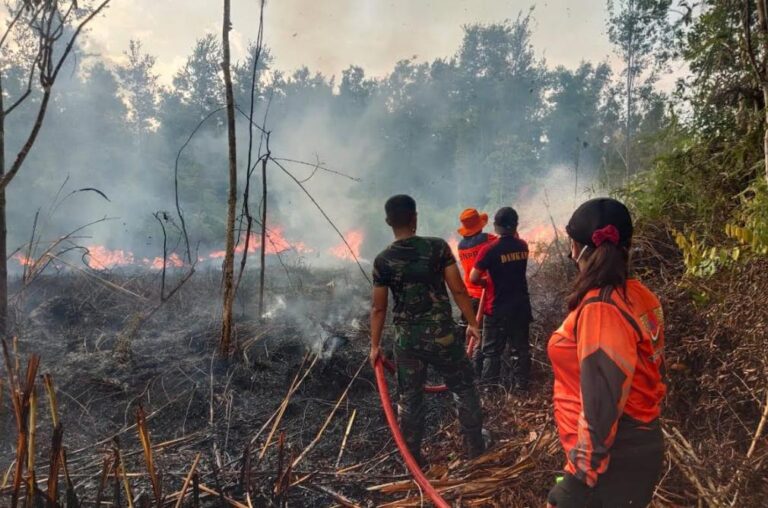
x=608, y=364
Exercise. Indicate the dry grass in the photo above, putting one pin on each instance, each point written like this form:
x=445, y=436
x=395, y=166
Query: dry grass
x=220, y=452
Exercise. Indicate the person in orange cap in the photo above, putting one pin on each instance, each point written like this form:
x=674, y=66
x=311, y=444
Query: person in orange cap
x=472, y=242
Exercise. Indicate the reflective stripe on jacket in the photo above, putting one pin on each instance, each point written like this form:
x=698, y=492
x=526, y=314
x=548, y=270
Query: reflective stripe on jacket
x=469, y=248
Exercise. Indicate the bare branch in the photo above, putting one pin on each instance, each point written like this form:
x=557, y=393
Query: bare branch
x=249, y=172
x=176, y=179
x=47, y=78
x=165, y=254
x=72, y=39
x=13, y=22
x=6, y=179
x=319, y=165
x=9, y=29
x=746, y=18
x=327, y=218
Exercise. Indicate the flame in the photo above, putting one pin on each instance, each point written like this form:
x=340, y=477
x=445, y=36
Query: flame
x=538, y=234
x=23, y=260
x=172, y=261
x=453, y=243
x=355, y=240
x=101, y=258
x=276, y=244
x=539, y=237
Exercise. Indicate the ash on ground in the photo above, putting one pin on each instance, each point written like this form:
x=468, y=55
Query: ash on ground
x=107, y=359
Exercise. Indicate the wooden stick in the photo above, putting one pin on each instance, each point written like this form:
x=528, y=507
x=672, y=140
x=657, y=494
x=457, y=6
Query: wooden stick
x=103, y=281
x=32, y=433
x=146, y=444
x=229, y=500
x=56, y=461
x=7, y=475
x=103, y=480
x=284, y=405
x=346, y=435
x=342, y=500
x=187, y=481
x=330, y=416
x=120, y=472
x=760, y=427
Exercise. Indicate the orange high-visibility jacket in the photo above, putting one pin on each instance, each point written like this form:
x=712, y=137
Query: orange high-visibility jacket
x=608, y=363
x=469, y=248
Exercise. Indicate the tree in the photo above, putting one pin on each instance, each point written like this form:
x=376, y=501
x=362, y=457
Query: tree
x=47, y=32
x=229, y=256
x=642, y=34
x=198, y=84
x=575, y=125
x=500, y=94
x=242, y=74
x=139, y=86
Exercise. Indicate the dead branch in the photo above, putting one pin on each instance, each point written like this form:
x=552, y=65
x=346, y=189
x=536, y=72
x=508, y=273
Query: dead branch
x=187, y=481
x=327, y=218
x=330, y=417
x=249, y=167
x=48, y=74
x=760, y=427
x=346, y=435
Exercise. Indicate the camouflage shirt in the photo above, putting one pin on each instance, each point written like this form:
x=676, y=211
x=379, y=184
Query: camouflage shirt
x=413, y=269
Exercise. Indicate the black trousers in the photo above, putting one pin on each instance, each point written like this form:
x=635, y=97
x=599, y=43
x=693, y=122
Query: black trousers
x=637, y=457
x=502, y=330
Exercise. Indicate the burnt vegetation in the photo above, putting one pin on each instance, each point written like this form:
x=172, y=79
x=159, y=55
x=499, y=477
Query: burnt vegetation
x=129, y=379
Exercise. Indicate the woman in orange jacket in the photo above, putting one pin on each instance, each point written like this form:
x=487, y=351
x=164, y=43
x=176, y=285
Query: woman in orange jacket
x=608, y=367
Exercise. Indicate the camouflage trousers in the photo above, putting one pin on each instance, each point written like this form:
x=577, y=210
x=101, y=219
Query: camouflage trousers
x=439, y=346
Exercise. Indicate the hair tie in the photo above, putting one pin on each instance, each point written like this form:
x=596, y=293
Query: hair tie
x=609, y=233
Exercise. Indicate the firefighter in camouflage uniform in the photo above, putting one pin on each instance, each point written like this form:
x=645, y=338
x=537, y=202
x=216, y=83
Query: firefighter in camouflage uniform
x=416, y=270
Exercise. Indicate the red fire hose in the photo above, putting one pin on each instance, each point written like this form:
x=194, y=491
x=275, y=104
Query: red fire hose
x=470, y=349
x=386, y=404
x=410, y=462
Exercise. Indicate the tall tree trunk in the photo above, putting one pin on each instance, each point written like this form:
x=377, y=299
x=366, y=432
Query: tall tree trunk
x=263, y=252
x=229, y=257
x=628, y=129
x=630, y=86
x=3, y=228
x=762, y=17
x=765, y=136
x=3, y=267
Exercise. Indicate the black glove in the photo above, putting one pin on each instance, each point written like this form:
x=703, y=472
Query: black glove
x=569, y=493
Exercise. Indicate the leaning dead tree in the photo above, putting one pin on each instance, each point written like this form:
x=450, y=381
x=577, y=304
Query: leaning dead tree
x=41, y=35
x=229, y=256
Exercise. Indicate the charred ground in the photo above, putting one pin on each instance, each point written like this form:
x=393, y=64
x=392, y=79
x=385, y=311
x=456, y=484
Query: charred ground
x=312, y=346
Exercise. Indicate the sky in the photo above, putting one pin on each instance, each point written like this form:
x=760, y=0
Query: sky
x=330, y=35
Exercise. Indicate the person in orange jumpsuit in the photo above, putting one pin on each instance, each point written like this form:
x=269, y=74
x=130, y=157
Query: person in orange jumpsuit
x=472, y=242
x=608, y=365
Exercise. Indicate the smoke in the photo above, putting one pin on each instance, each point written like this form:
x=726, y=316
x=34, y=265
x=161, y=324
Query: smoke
x=400, y=134
x=552, y=201
x=325, y=320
